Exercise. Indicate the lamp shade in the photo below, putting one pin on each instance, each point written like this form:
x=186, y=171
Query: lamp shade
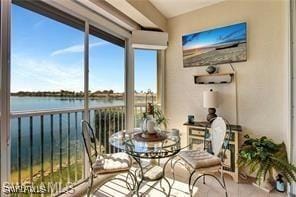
x=210, y=99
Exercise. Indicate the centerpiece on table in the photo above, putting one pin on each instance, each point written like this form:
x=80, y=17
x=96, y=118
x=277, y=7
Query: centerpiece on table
x=152, y=121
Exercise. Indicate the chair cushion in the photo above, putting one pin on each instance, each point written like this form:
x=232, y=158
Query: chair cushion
x=200, y=159
x=109, y=163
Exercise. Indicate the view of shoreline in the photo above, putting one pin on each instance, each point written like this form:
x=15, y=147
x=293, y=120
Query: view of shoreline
x=65, y=93
x=62, y=134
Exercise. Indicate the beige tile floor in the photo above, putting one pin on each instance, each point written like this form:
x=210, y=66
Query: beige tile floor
x=212, y=189
x=180, y=188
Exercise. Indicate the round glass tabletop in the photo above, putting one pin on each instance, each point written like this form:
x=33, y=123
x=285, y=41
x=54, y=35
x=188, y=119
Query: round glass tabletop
x=129, y=142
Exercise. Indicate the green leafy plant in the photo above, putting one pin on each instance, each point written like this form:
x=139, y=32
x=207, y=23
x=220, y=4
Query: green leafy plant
x=158, y=116
x=262, y=155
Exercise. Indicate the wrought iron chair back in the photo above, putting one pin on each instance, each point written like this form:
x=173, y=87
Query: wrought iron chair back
x=90, y=143
x=217, y=133
x=219, y=137
x=89, y=140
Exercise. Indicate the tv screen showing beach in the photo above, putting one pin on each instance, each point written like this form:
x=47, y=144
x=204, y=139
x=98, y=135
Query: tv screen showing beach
x=216, y=46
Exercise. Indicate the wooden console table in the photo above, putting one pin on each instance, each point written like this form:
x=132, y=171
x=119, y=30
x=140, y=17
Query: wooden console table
x=196, y=137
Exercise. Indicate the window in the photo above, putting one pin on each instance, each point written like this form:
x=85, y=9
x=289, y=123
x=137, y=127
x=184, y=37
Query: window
x=46, y=74
x=47, y=61
x=145, y=81
x=106, y=85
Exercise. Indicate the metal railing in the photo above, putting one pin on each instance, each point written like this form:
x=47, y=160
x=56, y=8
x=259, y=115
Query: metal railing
x=46, y=146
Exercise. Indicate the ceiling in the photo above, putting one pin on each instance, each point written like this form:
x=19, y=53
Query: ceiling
x=172, y=8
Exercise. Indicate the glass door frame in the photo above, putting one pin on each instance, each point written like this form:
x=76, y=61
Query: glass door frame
x=5, y=47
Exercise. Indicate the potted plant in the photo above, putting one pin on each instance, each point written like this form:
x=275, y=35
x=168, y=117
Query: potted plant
x=157, y=115
x=262, y=156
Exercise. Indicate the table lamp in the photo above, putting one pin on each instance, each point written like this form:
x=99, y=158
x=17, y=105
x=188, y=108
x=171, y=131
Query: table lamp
x=210, y=101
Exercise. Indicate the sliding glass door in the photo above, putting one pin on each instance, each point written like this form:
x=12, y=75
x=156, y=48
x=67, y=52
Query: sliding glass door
x=55, y=82
x=52, y=75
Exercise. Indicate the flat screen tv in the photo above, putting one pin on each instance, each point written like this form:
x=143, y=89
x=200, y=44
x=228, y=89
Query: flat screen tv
x=215, y=46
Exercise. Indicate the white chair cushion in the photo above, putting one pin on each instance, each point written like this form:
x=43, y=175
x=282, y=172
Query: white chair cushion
x=109, y=163
x=200, y=159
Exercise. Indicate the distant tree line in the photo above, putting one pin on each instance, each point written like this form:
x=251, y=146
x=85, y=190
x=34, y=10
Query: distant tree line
x=66, y=93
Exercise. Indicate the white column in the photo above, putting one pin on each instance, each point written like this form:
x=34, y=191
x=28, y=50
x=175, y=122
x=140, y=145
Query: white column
x=129, y=85
x=5, y=90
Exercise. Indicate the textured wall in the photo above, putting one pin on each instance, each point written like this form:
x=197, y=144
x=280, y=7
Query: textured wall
x=262, y=81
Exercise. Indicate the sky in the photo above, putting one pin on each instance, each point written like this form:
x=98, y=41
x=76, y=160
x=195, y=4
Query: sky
x=47, y=55
x=214, y=36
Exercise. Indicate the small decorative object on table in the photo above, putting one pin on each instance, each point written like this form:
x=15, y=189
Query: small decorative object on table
x=149, y=132
x=152, y=120
x=190, y=119
x=210, y=101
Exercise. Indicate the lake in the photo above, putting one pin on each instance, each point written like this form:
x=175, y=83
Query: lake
x=44, y=103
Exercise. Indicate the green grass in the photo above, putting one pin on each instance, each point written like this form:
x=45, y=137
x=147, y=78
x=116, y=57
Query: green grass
x=56, y=177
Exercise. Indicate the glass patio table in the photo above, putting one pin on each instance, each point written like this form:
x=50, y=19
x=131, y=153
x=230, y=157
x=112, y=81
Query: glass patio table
x=167, y=145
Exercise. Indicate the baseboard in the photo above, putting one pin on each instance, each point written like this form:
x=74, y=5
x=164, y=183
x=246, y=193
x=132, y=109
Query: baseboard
x=267, y=189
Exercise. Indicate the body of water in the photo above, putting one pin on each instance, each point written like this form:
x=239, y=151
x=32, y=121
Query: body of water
x=45, y=103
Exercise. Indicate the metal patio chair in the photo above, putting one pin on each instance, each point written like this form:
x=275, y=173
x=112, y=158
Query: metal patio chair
x=114, y=163
x=208, y=161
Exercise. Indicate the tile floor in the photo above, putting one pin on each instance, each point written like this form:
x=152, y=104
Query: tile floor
x=180, y=188
x=212, y=189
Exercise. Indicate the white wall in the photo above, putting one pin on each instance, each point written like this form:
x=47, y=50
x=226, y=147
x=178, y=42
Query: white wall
x=262, y=81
